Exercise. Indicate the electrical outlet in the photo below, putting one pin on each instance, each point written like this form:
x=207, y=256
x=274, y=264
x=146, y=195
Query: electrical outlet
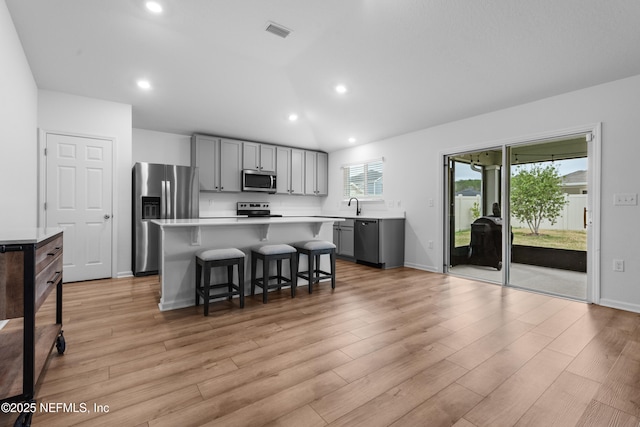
x=430, y=203
x=430, y=244
x=618, y=265
x=625, y=199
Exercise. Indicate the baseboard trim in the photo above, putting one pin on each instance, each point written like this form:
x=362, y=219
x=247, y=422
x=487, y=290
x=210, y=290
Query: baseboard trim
x=620, y=305
x=429, y=268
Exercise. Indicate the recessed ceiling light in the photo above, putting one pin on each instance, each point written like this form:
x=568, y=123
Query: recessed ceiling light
x=144, y=84
x=352, y=140
x=154, y=7
x=293, y=117
x=341, y=89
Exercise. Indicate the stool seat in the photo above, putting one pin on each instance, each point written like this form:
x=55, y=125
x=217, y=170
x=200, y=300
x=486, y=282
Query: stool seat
x=274, y=249
x=268, y=253
x=218, y=254
x=206, y=260
x=313, y=249
x=314, y=245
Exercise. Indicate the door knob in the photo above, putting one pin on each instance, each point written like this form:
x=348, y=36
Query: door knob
x=107, y=216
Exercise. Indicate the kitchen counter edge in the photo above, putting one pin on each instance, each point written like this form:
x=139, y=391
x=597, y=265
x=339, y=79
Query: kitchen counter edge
x=27, y=235
x=366, y=216
x=205, y=222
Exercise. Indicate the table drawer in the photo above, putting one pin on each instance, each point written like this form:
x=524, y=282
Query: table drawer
x=46, y=253
x=47, y=279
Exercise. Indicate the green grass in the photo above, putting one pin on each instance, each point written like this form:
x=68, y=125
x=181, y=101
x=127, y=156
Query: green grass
x=558, y=239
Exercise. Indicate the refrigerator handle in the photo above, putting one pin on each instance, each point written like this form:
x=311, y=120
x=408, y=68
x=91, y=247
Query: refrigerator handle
x=163, y=202
x=169, y=201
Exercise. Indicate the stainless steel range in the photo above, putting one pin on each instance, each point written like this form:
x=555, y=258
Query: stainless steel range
x=255, y=209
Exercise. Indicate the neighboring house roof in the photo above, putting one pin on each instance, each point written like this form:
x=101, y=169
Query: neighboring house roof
x=575, y=178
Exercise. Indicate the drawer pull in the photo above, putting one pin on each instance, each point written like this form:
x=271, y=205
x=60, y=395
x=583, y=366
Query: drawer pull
x=55, y=278
x=55, y=251
x=5, y=248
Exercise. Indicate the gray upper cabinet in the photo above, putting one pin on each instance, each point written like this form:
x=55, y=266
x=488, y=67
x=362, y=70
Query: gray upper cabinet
x=289, y=170
x=322, y=177
x=219, y=162
x=260, y=157
x=315, y=173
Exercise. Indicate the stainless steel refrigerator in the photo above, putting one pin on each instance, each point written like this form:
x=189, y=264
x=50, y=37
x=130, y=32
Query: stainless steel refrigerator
x=159, y=192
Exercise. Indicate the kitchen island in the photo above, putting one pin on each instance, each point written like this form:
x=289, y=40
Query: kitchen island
x=180, y=239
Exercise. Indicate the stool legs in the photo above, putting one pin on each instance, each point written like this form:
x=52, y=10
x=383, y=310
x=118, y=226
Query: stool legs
x=293, y=266
x=311, y=259
x=241, y=282
x=206, y=289
x=204, y=286
x=332, y=258
x=313, y=273
x=263, y=281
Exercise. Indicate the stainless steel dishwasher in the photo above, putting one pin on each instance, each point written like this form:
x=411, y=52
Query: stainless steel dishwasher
x=367, y=240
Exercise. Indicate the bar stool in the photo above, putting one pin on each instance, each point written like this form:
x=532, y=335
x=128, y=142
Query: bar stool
x=207, y=259
x=268, y=253
x=313, y=249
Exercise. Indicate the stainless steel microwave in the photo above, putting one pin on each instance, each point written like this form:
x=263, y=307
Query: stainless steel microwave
x=253, y=180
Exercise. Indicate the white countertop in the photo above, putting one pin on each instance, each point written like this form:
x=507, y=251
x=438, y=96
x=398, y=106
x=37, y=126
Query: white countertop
x=26, y=235
x=208, y=222
x=368, y=215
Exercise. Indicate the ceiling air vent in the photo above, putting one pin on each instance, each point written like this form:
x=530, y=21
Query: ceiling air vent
x=277, y=29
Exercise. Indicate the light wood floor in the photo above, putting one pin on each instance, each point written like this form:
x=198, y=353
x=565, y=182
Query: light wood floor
x=399, y=347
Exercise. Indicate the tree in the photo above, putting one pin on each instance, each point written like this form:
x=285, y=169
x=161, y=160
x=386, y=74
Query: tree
x=468, y=184
x=536, y=195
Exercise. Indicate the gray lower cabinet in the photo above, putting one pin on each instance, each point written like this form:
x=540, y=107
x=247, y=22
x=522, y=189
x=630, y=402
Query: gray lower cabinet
x=343, y=238
x=379, y=242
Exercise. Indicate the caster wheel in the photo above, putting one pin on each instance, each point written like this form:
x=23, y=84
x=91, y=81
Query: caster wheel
x=61, y=344
x=24, y=420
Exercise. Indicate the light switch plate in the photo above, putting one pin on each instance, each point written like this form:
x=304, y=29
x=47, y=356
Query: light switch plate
x=625, y=199
x=618, y=265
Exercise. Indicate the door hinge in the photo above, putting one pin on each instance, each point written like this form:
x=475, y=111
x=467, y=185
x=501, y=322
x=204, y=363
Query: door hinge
x=45, y=206
x=45, y=151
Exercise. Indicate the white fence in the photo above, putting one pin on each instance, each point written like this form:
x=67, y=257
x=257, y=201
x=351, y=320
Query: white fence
x=572, y=217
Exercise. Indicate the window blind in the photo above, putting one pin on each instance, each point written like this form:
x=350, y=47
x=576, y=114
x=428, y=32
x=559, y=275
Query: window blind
x=363, y=179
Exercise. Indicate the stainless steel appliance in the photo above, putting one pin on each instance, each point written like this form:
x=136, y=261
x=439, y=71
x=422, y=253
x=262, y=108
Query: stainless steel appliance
x=159, y=192
x=366, y=240
x=255, y=209
x=253, y=180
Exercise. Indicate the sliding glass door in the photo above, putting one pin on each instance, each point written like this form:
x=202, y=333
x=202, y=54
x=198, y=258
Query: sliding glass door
x=520, y=215
x=548, y=199
x=474, y=192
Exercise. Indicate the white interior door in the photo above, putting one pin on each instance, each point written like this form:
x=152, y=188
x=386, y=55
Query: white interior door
x=79, y=200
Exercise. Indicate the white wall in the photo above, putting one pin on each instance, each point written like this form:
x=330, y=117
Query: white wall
x=18, y=127
x=413, y=173
x=93, y=117
x=160, y=147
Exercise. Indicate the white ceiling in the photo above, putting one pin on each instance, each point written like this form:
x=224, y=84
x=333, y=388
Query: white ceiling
x=408, y=64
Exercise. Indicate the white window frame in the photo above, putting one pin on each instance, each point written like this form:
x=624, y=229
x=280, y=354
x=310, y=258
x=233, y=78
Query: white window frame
x=364, y=165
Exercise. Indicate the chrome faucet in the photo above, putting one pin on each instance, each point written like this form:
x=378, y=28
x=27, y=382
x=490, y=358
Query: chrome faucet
x=357, y=205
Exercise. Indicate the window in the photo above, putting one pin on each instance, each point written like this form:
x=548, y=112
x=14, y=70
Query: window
x=363, y=179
